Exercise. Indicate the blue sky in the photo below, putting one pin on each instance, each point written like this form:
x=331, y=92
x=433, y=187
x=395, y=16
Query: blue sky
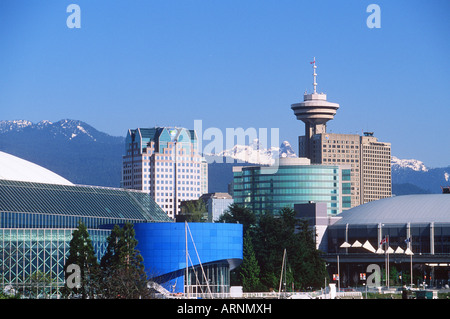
x=232, y=64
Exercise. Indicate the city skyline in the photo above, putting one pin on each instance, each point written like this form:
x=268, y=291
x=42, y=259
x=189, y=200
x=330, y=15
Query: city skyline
x=232, y=64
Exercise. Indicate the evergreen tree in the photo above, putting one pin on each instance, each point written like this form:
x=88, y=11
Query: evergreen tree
x=273, y=235
x=249, y=270
x=82, y=254
x=309, y=268
x=122, y=266
x=239, y=214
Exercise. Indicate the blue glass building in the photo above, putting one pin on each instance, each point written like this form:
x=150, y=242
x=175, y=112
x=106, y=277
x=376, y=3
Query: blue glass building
x=293, y=181
x=213, y=250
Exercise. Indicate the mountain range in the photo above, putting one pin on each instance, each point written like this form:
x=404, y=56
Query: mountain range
x=84, y=155
x=70, y=148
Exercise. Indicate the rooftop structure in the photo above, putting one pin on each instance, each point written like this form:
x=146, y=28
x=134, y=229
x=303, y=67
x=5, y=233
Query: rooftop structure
x=17, y=169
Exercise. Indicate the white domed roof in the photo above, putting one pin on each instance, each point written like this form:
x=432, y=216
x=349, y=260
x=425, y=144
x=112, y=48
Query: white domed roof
x=17, y=169
x=421, y=208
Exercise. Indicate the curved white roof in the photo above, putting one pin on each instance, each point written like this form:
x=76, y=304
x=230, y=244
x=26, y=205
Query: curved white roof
x=423, y=208
x=17, y=169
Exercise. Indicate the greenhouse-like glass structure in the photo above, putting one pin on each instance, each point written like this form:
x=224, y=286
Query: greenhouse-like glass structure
x=37, y=221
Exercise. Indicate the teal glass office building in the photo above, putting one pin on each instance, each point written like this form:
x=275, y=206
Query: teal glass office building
x=293, y=181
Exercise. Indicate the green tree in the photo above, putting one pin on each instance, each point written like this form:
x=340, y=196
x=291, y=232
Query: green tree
x=249, y=270
x=273, y=235
x=122, y=266
x=82, y=254
x=309, y=268
x=239, y=214
x=196, y=211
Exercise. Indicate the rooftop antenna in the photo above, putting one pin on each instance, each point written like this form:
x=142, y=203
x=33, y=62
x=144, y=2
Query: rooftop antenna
x=314, y=74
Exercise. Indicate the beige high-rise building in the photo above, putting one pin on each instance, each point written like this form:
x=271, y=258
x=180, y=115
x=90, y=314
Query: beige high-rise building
x=165, y=162
x=376, y=179
x=370, y=160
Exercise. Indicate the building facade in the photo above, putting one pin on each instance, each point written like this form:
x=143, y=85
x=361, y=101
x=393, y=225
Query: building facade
x=293, y=181
x=376, y=174
x=216, y=204
x=213, y=249
x=165, y=162
x=409, y=233
x=369, y=159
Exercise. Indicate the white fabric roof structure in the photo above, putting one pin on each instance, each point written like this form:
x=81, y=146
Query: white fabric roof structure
x=17, y=169
x=369, y=247
x=356, y=244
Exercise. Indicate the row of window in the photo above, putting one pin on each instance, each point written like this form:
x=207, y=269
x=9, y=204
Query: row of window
x=33, y=220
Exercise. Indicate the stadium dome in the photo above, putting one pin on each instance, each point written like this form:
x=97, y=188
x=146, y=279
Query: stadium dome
x=17, y=169
x=423, y=208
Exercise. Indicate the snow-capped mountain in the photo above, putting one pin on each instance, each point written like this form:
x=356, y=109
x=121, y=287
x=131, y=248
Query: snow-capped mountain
x=16, y=125
x=413, y=164
x=70, y=148
x=70, y=129
x=286, y=150
x=412, y=172
x=256, y=153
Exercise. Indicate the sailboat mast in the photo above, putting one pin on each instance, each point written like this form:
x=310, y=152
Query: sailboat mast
x=187, y=265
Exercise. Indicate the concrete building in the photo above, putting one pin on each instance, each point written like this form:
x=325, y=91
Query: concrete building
x=166, y=163
x=370, y=159
x=375, y=172
x=217, y=204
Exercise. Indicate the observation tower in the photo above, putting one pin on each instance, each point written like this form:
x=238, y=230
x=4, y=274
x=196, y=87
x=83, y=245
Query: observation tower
x=315, y=111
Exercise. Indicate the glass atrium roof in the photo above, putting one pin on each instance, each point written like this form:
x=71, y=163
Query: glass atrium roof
x=87, y=201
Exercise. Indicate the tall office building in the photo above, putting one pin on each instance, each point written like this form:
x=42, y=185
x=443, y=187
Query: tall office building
x=370, y=160
x=166, y=163
x=376, y=179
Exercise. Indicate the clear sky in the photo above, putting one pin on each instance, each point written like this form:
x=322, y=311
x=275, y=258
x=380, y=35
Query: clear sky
x=232, y=63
